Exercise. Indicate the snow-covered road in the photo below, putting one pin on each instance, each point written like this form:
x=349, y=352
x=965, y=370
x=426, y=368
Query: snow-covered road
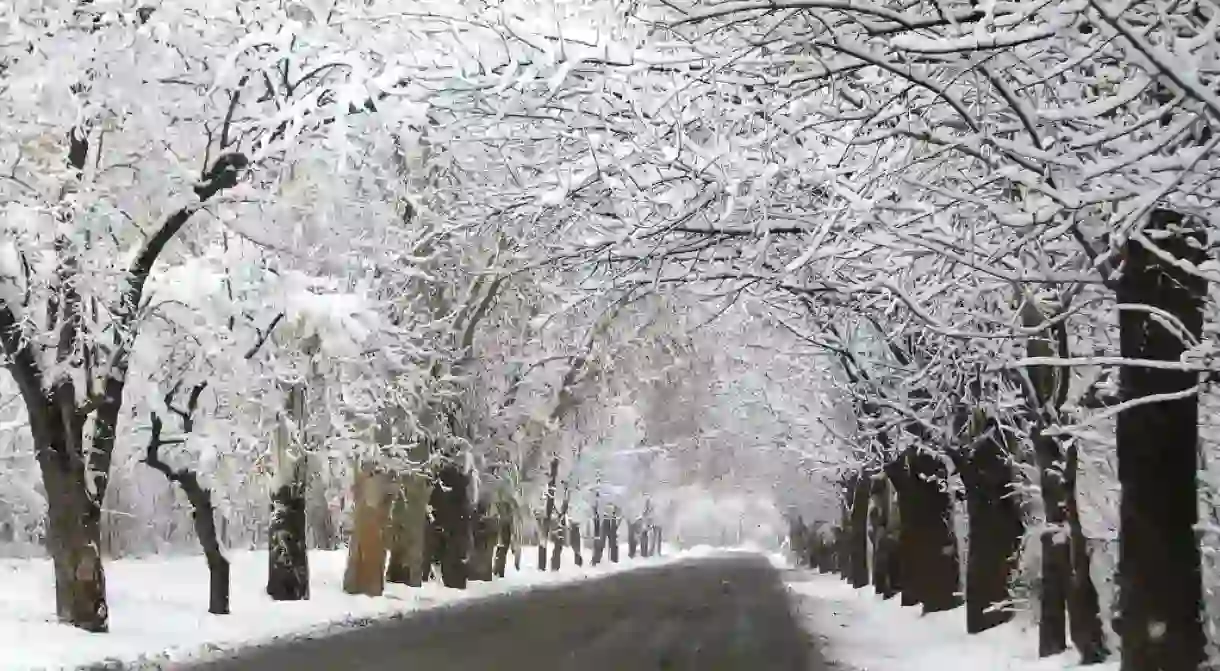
x=726, y=612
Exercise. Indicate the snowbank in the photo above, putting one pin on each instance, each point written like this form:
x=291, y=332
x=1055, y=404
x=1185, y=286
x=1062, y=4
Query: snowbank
x=865, y=633
x=158, y=607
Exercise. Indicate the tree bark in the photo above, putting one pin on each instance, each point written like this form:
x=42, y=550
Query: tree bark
x=1084, y=611
x=288, y=556
x=200, y=498
x=483, y=547
x=601, y=527
x=548, y=515
x=366, y=552
x=928, y=526
x=995, y=531
x=560, y=532
x=408, y=526
x=1056, y=553
x=505, y=544
x=451, y=524
x=612, y=536
x=574, y=540
x=857, y=534
x=1159, y=571
x=323, y=531
x=557, y=544
x=633, y=537
x=288, y=559
x=73, y=537
x=899, y=474
x=885, y=538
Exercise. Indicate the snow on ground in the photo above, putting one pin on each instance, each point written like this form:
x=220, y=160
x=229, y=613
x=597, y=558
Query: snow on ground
x=862, y=632
x=158, y=607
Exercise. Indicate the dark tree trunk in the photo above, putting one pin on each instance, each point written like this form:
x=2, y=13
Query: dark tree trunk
x=483, y=540
x=73, y=539
x=202, y=511
x=560, y=533
x=288, y=555
x=1159, y=572
x=885, y=538
x=601, y=528
x=857, y=533
x=288, y=559
x=557, y=545
x=1056, y=553
x=659, y=536
x=842, y=552
x=574, y=540
x=549, y=513
x=73, y=534
x=612, y=537
x=1083, y=609
x=451, y=525
x=506, y=543
x=633, y=537
x=821, y=549
x=899, y=474
x=797, y=532
x=934, y=542
x=995, y=531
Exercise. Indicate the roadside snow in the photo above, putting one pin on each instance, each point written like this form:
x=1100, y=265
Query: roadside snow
x=864, y=633
x=158, y=607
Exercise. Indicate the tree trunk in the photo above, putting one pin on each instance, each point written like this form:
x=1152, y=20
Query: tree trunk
x=288, y=560
x=599, y=540
x=202, y=511
x=1159, y=572
x=1056, y=553
x=73, y=536
x=323, y=531
x=505, y=544
x=885, y=545
x=548, y=515
x=601, y=528
x=995, y=532
x=366, y=552
x=288, y=556
x=658, y=541
x=899, y=474
x=633, y=537
x=451, y=524
x=557, y=544
x=1084, y=612
x=857, y=534
x=408, y=526
x=934, y=540
x=612, y=537
x=483, y=536
x=574, y=540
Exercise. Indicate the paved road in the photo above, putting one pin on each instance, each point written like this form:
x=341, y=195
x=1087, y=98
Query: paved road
x=725, y=613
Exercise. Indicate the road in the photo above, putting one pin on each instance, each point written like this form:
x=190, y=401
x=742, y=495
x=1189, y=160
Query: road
x=724, y=613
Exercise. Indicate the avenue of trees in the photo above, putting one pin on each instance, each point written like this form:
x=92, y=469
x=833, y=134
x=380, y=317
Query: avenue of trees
x=433, y=280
